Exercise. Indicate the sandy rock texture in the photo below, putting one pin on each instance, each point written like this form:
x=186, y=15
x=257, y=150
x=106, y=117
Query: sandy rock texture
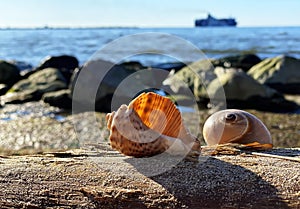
x=51, y=159
x=104, y=178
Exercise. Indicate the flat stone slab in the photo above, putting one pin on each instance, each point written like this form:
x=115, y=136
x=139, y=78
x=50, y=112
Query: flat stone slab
x=103, y=178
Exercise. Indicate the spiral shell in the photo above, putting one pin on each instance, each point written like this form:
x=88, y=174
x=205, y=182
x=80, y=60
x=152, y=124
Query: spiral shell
x=236, y=126
x=151, y=124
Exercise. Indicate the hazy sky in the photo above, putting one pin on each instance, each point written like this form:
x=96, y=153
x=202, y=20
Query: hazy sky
x=145, y=13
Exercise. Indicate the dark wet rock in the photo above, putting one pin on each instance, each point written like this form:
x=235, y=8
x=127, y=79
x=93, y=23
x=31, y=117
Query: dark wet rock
x=128, y=66
x=3, y=89
x=61, y=98
x=244, y=61
x=32, y=88
x=22, y=65
x=59, y=62
x=73, y=78
x=104, y=86
x=9, y=73
x=19, y=97
x=132, y=65
x=176, y=66
x=65, y=63
x=41, y=80
x=281, y=73
x=26, y=73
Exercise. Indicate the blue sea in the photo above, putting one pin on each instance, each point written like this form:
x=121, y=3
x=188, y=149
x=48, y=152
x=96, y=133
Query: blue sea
x=32, y=45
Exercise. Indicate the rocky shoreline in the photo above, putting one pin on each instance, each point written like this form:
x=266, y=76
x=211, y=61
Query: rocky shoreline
x=241, y=81
x=37, y=127
x=36, y=114
x=51, y=157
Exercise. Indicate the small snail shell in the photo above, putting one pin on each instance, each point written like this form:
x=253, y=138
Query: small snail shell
x=149, y=125
x=235, y=126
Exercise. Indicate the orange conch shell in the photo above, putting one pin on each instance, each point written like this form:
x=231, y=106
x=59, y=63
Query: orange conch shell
x=151, y=124
x=236, y=126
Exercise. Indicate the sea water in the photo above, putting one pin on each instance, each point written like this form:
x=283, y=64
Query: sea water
x=32, y=45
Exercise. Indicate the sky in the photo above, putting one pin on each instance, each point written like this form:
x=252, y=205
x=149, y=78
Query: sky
x=145, y=13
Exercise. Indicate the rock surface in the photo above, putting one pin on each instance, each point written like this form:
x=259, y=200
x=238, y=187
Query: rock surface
x=3, y=89
x=59, y=62
x=238, y=85
x=32, y=88
x=99, y=81
x=194, y=77
x=22, y=65
x=9, y=73
x=241, y=91
x=281, y=73
x=230, y=86
x=124, y=81
x=61, y=98
x=65, y=63
x=243, y=61
x=105, y=179
x=95, y=176
x=176, y=66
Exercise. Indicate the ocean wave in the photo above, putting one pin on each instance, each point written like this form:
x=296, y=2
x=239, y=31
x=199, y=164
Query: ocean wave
x=33, y=45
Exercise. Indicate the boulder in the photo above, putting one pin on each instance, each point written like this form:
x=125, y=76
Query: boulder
x=238, y=85
x=101, y=64
x=9, y=73
x=217, y=86
x=22, y=65
x=3, y=89
x=32, y=88
x=65, y=63
x=26, y=73
x=132, y=65
x=194, y=77
x=281, y=73
x=243, y=61
x=105, y=86
x=61, y=98
x=59, y=62
x=176, y=66
x=242, y=91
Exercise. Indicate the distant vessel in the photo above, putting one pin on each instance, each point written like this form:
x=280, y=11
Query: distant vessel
x=212, y=21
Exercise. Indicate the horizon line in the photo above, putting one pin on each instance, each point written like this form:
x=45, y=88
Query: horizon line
x=135, y=27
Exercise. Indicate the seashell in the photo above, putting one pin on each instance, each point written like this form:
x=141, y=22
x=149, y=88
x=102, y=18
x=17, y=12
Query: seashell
x=151, y=124
x=236, y=126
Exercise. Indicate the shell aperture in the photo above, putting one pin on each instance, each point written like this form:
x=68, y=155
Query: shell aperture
x=235, y=126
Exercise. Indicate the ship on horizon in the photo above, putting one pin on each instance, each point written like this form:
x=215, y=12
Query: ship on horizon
x=211, y=21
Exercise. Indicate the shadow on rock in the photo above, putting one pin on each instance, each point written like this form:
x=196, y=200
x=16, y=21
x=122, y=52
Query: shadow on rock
x=211, y=183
